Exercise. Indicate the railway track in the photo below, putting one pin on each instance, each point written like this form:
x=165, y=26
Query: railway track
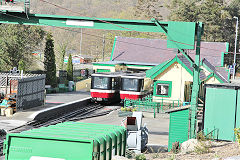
x=81, y=113
x=1, y=147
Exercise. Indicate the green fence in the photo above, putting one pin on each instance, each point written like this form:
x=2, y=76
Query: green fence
x=146, y=104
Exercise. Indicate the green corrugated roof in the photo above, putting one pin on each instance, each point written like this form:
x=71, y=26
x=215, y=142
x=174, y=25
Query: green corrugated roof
x=75, y=131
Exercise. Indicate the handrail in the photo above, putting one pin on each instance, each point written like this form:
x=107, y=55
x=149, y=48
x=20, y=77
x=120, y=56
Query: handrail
x=212, y=133
x=147, y=104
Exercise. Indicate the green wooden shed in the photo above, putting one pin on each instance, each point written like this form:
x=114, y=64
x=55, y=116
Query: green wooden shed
x=222, y=110
x=178, y=126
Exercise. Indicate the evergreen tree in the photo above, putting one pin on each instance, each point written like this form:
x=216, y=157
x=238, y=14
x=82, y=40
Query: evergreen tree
x=22, y=65
x=70, y=68
x=183, y=10
x=213, y=13
x=49, y=62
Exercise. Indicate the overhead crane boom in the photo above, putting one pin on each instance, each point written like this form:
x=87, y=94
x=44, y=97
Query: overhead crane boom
x=180, y=35
x=181, y=32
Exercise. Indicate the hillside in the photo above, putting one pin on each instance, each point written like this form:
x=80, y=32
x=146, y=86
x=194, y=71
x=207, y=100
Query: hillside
x=91, y=39
x=92, y=8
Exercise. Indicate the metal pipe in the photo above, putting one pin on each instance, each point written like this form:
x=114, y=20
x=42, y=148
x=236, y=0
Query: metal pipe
x=235, y=50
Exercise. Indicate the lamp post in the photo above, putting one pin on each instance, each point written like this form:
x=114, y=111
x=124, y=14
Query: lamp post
x=235, y=50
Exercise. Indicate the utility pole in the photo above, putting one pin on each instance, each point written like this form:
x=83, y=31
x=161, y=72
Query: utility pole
x=81, y=43
x=235, y=50
x=97, y=53
x=103, y=48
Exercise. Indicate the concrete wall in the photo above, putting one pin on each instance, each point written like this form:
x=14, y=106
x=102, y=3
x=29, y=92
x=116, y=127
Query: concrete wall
x=84, y=85
x=178, y=75
x=60, y=109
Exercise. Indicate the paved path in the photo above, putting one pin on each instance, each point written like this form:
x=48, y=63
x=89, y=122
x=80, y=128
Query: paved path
x=61, y=98
x=158, y=127
x=52, y=100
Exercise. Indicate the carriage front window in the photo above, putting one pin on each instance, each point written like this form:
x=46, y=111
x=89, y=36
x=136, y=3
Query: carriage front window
x=130, y=84
x=101, y=82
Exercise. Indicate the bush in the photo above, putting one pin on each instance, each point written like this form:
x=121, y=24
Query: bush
x=140, y=157
x=123, y=109
x=237, y=134
x=78, y=78
x=202, y=137
x=202, y=148
x=204, y=143
x=134, y=109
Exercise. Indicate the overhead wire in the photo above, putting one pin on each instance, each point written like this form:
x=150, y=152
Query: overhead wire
x=122, y=26
x=110, y=38
x=94, y=35
x=54, y=4
x=90, y=17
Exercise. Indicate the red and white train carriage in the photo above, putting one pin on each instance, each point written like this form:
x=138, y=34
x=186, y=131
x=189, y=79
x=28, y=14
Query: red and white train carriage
x=105, y=87
x=132, y=86
x=116, y=86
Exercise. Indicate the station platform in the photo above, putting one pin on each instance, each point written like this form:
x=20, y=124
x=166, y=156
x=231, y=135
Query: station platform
x=53, y=102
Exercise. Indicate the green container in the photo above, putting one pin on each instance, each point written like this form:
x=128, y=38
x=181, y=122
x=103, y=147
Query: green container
x=222, y=110
x=67, y=141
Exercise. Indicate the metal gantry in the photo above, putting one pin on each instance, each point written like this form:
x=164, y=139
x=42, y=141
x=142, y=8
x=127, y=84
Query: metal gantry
x=180, y=35
x=196, y=84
